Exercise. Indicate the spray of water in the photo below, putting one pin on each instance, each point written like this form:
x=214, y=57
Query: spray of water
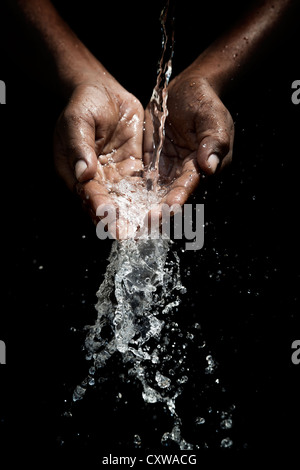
x=142, y=284
x=140, y=289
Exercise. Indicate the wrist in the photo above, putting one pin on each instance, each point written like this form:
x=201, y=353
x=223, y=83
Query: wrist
x=85, y=72
x=212, y=71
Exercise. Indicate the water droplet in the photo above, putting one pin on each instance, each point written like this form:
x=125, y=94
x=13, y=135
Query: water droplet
x=226, y=442
x=226, y=423
x=199, y=420
x=137, y=440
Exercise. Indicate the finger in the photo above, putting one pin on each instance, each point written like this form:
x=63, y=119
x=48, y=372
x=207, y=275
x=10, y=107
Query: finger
x=217, y=141
x=94, y=194
x=148, y=138
x=183, y=186
x=102, y=207
x=178, y=193
x=228, y=158
x=126, y=139
x=212, y=150
x=94, y=197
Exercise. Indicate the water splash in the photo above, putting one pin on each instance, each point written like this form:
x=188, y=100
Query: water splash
x=140, y=289
x=135, y=202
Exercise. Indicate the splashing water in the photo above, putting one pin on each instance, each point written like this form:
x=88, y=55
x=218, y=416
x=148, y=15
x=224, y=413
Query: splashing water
x=135, y=301
x=142, y=286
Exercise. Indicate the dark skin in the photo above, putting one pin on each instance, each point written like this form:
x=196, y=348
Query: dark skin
x=99, y=125
x=99, y=136
x=200, y=143
x=199, y=128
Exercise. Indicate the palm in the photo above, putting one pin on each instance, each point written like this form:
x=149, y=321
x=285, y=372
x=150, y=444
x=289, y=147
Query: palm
x=117, y=135
x=178, y=169
x=197, y=126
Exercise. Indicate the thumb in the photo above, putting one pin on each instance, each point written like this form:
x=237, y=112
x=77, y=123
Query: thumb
x=212, y=150
x=84, y=162
x=74, y=150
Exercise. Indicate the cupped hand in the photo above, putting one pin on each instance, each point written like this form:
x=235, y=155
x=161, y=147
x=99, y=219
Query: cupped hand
x=199, y=135
x=97, y=142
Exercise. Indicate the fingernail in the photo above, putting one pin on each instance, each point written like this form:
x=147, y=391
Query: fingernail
x=80, y=168
x=213, y=161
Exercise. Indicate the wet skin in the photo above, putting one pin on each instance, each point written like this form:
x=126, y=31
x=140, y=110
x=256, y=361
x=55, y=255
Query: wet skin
x=101, y=127
x=98, y=140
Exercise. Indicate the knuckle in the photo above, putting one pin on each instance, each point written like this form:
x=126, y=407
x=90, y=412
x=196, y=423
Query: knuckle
x=224, y=142
x=230, y=122
x=227, y=160
x=69, y=118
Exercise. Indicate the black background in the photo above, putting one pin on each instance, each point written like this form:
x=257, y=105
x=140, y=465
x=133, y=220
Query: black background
x=52, y=263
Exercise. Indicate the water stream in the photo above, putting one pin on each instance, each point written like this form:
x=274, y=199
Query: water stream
x=142, y=287
x=158, y=102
